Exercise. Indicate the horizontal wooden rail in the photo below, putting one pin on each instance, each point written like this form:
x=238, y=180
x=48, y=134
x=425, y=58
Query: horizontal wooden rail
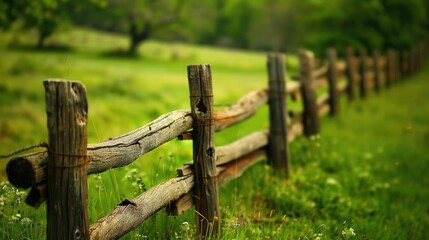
x=320, y=72
x=29, y=170
x=242, y=109
x=341, y=68
x=321, y=82
x=226, y=173
x=322, y=99
x=342, y=87
x=129, y=214
x=241, y=147
x=370, y=62
x=323, y=109
x=224, y=154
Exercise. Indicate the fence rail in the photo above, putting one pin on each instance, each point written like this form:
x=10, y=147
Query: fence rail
x=197, y=181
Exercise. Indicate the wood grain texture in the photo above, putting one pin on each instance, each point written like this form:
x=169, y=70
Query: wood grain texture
x=377, y=71
x=310, y=116
x=206, y=190
x=390, y=71
x=277, y=151
x=29, y=170
x=363, y=68
x=332, y=82
x=67, y=187
x=350, y=73
x=130, y=214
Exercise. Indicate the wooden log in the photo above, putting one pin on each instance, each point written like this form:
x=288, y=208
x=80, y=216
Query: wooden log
x=389, y=68
x=333, y=99
x=206, y=190
x=341, y=68
x=277, y=150
x=231, y=154
x=236, y=169
x=181, y=205
x=321, y=72
x=185, y=201
x=369, y=62
x=37, y=195
x=241, y=147
x=244, y=108
x=396, y=67
x=130, y=214
x=224, y=155
x=308, y=91
x=363, y=71
x=342, y=87
x=226, y=173
x=410, y=62
x=413, y=60
x=377, y=71
x=403, y=64
x=67, y=201
x=420, y=58
x=295, y=131
x=28, y=170
x=321, y=82
x=350, y=73
x=323, y=109
x=323, y=99
x=292, y=87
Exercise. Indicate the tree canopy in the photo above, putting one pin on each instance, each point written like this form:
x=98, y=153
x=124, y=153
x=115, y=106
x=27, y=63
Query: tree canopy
x=275, y=25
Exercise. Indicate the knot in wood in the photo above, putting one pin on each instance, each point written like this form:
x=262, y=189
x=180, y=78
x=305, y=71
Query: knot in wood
x=210, y=151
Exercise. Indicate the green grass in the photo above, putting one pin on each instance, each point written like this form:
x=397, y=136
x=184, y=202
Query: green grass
x=367, y=170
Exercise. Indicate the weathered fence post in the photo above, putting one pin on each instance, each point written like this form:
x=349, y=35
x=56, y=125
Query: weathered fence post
x=396, y=72
x=206, y=185
x=350, y=73
x=403, y=64
x=67, y=210
x=377, y=71
x=310, y=118
x=390, y=74
x=332, y=82
x=418, y=56
x=413, y=60
x=362, y=72
x=278, y=151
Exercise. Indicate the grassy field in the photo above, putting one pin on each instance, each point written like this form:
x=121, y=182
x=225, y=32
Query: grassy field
x=364, y=177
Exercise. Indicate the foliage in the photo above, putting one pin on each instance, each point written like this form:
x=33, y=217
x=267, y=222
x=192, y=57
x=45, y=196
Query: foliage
x=139, y=19
x=274, y=25
x=46, y=16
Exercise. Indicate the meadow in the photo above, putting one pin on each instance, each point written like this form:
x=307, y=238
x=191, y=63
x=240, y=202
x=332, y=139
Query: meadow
x=364, y=177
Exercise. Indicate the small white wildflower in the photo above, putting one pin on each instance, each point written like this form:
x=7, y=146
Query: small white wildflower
x=331, y=181
x=185, y=226
x=25, y=221
x=348, y=233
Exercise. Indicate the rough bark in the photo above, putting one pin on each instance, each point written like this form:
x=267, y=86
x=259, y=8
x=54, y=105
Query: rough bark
x=67, y=187
x=278, y=152
x=130, y=214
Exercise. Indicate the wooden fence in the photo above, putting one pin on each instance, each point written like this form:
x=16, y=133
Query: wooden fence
x=59, y=174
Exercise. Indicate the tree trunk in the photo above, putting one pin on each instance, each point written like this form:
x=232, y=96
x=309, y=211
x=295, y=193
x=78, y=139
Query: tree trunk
x=138, y=36
x=41, y=39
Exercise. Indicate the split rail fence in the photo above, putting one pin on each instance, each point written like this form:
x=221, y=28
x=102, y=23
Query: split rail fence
x=59, y=174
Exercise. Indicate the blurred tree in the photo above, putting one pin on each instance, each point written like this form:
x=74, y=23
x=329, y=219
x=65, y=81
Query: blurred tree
x=142, y=18
x=46, y=16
